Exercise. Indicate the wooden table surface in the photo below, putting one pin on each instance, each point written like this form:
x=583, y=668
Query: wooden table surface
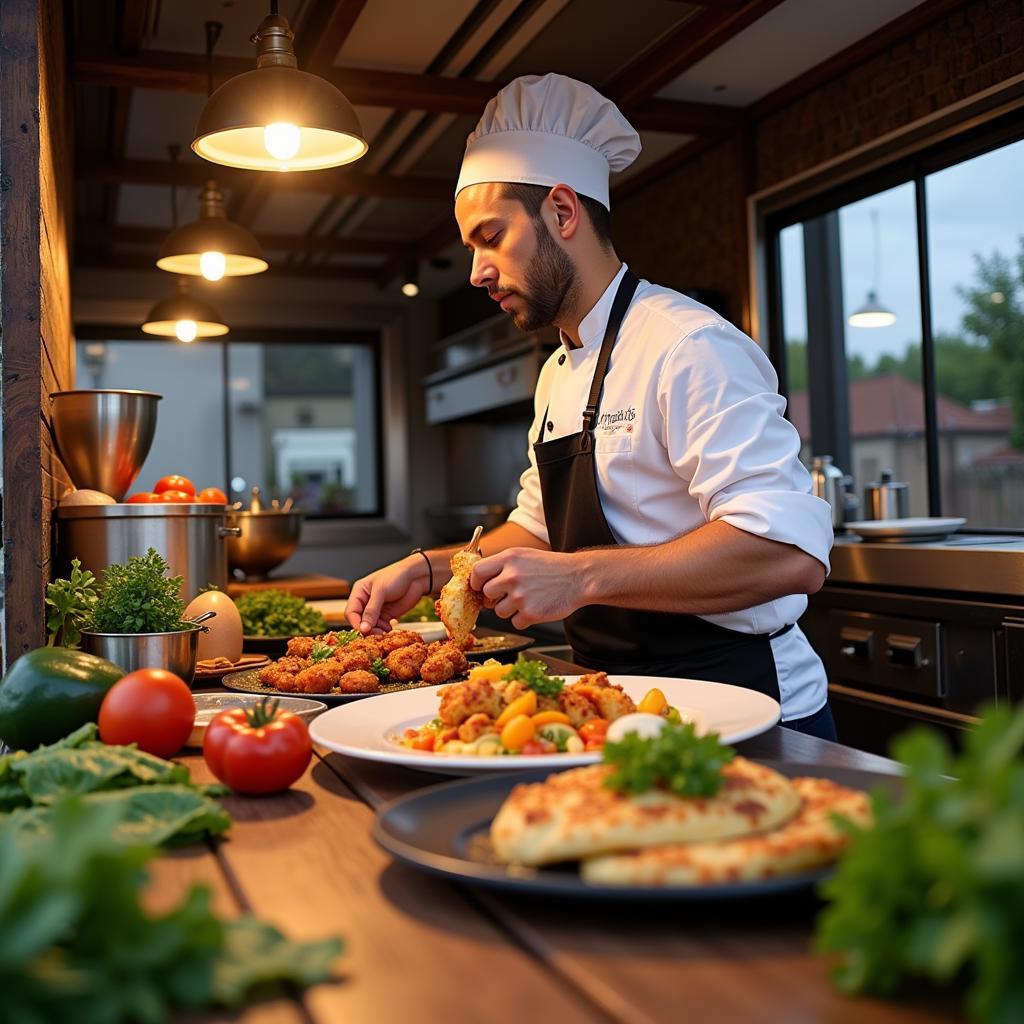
x=310, y=585
x=422, y=949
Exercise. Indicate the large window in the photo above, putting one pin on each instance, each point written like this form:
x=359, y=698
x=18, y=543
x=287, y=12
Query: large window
x=298, y=419
x=899, y=321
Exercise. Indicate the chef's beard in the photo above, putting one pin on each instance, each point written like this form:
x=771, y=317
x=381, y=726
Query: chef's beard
x=552, y=284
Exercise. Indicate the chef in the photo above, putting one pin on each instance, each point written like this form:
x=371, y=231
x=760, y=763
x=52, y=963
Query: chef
x=664, y=515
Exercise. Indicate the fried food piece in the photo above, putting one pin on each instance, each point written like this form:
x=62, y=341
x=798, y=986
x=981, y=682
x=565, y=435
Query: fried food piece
x=301, y=646
x=404, y=662
x=358, y=660
x=463, y=700
x=278, y=678
x=441, y=664
x=358, y=681
x=319, y=678
x=369, y=644
x=577, y=707
x=459, y=604
x=293, y=664
x=397, y=638
x=475, y=726
x=609, y=698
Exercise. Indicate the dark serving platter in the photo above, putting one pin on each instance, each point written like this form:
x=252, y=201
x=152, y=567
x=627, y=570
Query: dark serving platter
x=249, y=682
x=496, y=645
x=443, y=830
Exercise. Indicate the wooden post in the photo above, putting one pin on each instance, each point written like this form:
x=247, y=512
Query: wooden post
x=36, y=340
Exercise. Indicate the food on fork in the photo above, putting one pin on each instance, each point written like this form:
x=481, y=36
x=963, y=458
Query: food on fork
x=459, y=605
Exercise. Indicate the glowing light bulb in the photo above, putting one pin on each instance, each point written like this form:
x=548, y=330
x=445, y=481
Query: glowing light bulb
x=211, y=265
x=185, y=330
x=410, y=289
x=281, y=140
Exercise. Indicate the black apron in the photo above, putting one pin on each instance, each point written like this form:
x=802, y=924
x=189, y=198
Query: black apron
x=625, y=640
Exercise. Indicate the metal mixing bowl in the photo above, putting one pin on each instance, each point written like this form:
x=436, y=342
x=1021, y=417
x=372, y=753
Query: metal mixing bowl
x=266, y=540
x=103, y=437
x=175, y=651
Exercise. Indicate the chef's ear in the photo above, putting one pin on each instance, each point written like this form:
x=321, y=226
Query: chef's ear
x=565, y=206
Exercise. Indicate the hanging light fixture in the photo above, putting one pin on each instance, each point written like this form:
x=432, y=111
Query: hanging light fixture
x=872, y=313
x=278, y=118
x=411, y=280
x=184, y=317
x=212, y=246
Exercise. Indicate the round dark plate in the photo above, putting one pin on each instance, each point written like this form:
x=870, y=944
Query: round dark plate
x=495, y=646
x=274, y=646
x=249, y=682
x=443, y=830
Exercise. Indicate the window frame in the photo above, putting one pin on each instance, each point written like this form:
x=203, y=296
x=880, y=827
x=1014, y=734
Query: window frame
x=823, y=192
x=369, y=337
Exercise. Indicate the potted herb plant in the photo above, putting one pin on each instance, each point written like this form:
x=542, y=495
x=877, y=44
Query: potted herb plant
x=137, y=620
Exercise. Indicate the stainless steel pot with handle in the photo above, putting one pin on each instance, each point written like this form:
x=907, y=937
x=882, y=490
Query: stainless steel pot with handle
x=192, y=538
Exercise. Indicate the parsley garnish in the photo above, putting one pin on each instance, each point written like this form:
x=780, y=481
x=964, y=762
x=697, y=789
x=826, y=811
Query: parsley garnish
x=532, y=675
x=379, y=669
x=139, y=597
x=321, y=652
x=677, y=759
x=346, y=636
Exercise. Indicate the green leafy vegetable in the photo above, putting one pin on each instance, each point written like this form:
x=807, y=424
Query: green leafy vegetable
x=275, y=613
x=78, y=946
x=71, y=602
x=935, y=890
x=532, y=674
x=347, y=636
x=676, y=759
x=422, y=611
x=139, y=598
x=321, y=652
x=379, y=669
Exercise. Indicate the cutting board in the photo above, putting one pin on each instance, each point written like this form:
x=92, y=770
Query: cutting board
x=309, y=585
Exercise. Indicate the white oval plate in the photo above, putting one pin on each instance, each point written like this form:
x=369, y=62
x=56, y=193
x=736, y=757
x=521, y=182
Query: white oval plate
x=209, y=705
x=429, y=631
x=922, y=526
x=369, y=729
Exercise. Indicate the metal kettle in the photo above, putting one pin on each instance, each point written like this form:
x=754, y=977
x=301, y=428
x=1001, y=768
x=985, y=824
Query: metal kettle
x=886, y=498
x=827, y=482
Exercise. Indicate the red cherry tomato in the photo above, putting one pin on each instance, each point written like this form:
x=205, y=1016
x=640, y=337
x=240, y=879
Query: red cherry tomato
x=144, y=498
x=594, y=732
x=151, y=707
x=175, y=497
x=212, y=496
x=259, y=750
x=175, y=483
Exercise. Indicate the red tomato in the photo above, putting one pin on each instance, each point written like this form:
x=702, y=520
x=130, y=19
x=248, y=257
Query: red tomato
x=539, y=746
x=261, y=750
x=175, y=497
x=212, y=495
x=144, y=498
x=175, y=483
x=151, y=707
x=594, y=731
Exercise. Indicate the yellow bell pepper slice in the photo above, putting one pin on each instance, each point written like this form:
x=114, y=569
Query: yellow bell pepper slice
x=549, y=717
x=517, y=733
x=524, y=705
x=653, y=703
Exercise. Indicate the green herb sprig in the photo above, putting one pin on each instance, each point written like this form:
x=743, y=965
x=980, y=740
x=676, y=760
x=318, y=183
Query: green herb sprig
x=532, y=675
x=71, y=602
x=139, y=597
x=935, y=889
x=379, y=669
x=676, y=759
x=275, y=613
x=347, y=636
x=321, y=652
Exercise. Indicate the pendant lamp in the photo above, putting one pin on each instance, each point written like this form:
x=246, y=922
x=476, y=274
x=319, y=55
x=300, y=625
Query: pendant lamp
x=184, y=317
x=872, y=313
x=278, y=118
x=212, y=246
x=411, y=280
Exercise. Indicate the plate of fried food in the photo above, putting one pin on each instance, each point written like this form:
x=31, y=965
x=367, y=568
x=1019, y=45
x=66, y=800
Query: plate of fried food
x=674, y=815
x=342, y=666
x=503, y=718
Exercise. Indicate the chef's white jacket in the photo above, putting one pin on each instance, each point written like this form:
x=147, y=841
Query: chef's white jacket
x=690, y=430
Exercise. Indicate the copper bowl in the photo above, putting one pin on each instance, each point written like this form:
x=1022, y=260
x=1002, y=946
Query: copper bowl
x=267, y=539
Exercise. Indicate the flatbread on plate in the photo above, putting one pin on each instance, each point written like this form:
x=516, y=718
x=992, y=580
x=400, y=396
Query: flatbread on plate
x=809, y=840
x=573, y=814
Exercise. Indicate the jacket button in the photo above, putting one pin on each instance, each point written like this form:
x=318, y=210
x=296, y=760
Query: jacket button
x=561, y=359
x=551, y=425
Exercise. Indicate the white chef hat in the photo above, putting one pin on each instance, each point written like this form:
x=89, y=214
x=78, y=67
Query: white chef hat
x=550, y=130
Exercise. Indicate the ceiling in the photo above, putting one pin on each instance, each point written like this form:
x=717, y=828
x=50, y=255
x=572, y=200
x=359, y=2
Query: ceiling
x=419, y=74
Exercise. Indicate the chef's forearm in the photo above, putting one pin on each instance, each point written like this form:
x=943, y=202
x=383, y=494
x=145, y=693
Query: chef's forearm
x=715, y=569
x=508, y=535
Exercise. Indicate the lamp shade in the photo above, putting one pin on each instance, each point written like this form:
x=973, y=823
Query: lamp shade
x=278, y=118
x=177, y=315
x=226, y=245
x=872, y=314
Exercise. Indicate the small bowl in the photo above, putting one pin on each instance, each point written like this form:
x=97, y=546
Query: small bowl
x=209, y=705
x=267, y=539
x=175, y=651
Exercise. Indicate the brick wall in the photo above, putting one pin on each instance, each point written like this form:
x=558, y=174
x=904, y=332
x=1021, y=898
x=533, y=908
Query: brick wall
x=686, y=229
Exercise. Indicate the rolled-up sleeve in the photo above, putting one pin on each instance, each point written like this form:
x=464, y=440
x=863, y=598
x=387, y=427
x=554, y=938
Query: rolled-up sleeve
x=727, y=437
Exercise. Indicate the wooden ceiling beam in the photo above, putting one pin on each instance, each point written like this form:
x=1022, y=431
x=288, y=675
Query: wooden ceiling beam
x=692, y=40
x=341, y=182
x=323, y=30
x=183, y=72
x=135, y=235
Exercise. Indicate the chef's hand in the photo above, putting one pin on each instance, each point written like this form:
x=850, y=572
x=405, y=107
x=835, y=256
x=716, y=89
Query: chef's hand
x=528, y=585
x=383, y=595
